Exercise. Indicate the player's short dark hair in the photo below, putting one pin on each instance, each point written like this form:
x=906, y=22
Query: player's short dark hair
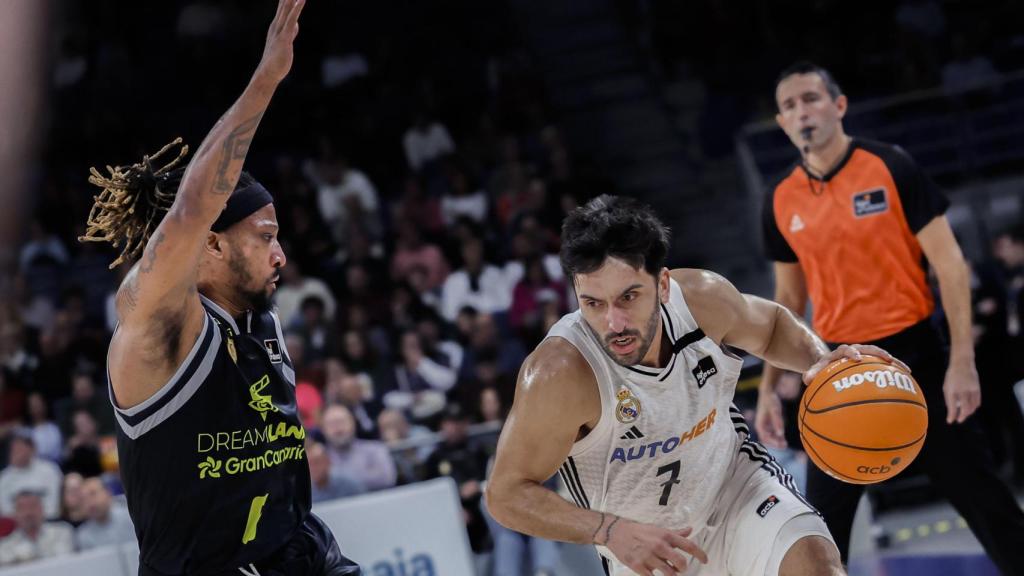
x=613, y=226
x=808, y=67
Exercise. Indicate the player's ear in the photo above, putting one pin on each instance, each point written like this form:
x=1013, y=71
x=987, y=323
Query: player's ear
x=664, y=282
x=215, y=245
x=841, y=104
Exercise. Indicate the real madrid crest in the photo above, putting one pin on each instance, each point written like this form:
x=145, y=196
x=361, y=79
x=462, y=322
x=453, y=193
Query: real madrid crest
x=628, y=408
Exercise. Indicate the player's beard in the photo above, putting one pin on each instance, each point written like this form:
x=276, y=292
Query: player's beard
x=644, y=340
x=257, y=300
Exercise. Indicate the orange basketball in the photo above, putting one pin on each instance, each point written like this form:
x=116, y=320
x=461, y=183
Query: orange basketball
x=863, y=422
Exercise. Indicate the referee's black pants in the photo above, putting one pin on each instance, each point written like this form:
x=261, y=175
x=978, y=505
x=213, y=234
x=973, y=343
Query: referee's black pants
x=955, y=457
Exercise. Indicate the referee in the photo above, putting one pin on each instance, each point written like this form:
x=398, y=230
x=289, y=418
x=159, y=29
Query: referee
x=211, y=447
x=849, y=227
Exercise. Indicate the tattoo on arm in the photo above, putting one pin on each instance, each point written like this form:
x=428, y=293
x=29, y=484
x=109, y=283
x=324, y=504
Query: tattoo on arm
x=149, y=258
x=593, y=538
x=235, y=147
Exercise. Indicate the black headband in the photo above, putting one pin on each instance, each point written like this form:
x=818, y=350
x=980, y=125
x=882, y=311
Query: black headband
x=242, y=203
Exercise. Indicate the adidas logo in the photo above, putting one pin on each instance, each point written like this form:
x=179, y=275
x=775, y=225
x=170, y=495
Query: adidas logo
x=632, y=434
x=796, y=224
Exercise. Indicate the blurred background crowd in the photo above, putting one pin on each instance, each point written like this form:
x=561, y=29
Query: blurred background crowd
x=422, y=156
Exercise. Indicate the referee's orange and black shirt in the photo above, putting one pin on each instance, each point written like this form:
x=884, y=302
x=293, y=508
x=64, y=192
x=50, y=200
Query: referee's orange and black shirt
x=853, y=233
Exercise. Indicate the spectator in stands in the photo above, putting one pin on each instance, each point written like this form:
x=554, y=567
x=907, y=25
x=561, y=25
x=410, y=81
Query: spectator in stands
x=19, y=365
x=73, y=506
x=34, y=538
x=326, y=484
x=461, y=200
x=360, y=357
x=107, y=523
x=426, y=141
x=449, y=352
x=529, y=244
x=360, y=291
x=418, y=208
x=485, y=341
x=306, y=229
x=529, y=297
x=397, y=432
x=27, y=472
x=319, y=339
x=508, y=181
x=82, y=451
x=490, y=406
x=422, y=378
x=43, y=260
x=360, y=249
x=406, y=304
x=412, y=252
x=45, y=433
x=355, y=392
x=478, y=283
x=34, y=310
x=465, y=463
x=366, y=461
x=1008, y=249
x=999, y=301
x=84, y=396
x=345, y=196
x=295, y=287
x=309, y=402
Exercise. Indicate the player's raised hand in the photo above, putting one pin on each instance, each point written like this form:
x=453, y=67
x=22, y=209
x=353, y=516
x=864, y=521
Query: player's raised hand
x=645, y=548
x=278, y=52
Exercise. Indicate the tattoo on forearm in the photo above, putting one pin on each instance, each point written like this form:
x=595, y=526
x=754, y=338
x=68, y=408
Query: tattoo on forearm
x=235, y=147
x=608, y=530
x=149, y=257
x=593, y=537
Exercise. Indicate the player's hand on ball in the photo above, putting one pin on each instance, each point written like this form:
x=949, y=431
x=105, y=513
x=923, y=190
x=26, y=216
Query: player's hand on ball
x=853, y=352
x=645, y=548
x=277, y=53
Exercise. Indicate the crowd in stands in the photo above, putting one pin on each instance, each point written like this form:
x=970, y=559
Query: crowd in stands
x=420, y=186
x=420, y=183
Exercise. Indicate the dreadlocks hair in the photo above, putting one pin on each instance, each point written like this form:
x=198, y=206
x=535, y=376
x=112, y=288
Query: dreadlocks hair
x=133, y=201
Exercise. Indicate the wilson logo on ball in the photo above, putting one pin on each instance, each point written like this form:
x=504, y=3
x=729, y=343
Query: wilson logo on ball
x=880, y=378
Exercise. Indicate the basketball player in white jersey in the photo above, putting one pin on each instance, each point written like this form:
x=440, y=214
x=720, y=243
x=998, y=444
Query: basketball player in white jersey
x=630, y=399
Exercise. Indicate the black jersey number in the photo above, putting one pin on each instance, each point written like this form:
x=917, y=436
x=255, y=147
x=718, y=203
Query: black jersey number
x=672, y=469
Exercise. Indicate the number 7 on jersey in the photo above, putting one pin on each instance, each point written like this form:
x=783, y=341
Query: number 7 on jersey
x=673, y=479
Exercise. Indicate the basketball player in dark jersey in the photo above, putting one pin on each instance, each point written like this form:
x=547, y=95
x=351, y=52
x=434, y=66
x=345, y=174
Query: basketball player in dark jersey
x=210, y=443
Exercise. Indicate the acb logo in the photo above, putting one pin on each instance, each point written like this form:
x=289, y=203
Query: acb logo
x=883, y=469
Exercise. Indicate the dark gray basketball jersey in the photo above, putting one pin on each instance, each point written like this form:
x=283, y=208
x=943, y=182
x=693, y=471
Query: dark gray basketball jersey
x=214, y=464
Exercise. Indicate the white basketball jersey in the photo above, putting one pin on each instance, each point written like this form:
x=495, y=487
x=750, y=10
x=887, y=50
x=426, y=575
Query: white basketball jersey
x=663, y=446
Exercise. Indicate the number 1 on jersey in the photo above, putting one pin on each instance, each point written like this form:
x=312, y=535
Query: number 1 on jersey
x=255, y=512
x=673, y=479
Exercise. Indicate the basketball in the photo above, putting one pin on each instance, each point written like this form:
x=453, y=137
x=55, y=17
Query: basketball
x=863, y=422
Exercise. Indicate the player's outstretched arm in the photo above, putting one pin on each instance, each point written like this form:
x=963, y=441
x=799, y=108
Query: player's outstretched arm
x=166, y=273
x=761, y=327
x=556, y=396
x=159, y=312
